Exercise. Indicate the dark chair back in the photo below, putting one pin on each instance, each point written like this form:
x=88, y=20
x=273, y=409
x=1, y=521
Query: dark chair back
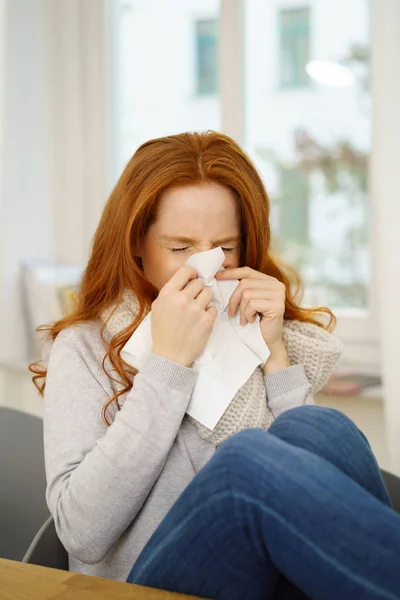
x=46, y=549
x=23, y=506
x=393, y=485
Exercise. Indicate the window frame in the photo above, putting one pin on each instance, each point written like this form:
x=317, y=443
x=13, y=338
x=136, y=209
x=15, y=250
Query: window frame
x=198, y=91
x=295, y=84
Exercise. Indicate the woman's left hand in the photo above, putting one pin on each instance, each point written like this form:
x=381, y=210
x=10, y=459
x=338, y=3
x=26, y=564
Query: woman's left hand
x=261, y=294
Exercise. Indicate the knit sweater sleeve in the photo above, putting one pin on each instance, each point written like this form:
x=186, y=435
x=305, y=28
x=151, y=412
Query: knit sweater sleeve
x=287, y=389
x=313, y=354
x=97, y=477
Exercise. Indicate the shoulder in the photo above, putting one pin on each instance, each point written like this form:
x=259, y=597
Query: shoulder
x=76, y=383
x=80, y=345
x=85, y=338
x=81, y=334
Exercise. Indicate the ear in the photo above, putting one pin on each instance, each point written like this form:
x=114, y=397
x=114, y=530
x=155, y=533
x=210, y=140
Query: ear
x=138, y=261
x=137, y=255
x=138, y=251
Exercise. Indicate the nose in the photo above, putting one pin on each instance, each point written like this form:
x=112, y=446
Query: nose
x=204, y=247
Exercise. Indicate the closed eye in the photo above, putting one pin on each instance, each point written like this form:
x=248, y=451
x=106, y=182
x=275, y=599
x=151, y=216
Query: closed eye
x=187, y=248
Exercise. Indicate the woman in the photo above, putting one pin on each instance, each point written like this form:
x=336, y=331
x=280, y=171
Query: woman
x=297, y=511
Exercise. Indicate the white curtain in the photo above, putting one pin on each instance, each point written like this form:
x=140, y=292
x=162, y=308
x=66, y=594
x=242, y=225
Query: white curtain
x=78, y=89
x=54, y=130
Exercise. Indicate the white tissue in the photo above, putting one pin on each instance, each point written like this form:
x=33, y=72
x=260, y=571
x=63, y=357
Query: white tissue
x=232, y=352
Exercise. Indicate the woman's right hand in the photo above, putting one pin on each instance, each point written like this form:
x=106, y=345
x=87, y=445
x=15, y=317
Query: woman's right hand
x=181, y=318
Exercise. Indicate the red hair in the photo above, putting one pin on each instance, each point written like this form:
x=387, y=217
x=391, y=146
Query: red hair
x=175, y=161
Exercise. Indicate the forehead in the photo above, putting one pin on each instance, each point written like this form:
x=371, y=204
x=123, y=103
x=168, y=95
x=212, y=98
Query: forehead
x=194, y=208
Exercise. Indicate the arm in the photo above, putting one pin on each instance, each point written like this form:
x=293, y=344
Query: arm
x=97, y=477
x=287, y=389
x=287, y=386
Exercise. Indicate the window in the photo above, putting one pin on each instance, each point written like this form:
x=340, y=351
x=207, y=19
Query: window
x=159, y=62
x=314, y=149
x=294, y=25
x=292, y=226
x=206, y=56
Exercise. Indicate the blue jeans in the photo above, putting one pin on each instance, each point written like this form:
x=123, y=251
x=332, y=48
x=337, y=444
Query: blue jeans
x=300, y=511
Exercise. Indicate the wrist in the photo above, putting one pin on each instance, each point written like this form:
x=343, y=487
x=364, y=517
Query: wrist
x=171, y=356
x=278, y=359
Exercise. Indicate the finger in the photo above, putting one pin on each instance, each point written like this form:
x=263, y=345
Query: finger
x=234, y=302
x=205, y=297
x=248, y=299
x=193, y=288
x=247, y=312
x=241, y=273
x=267, y=308
x=212, y=311
x=246, y=294
x=242, y=288
x=180, y=279
x=250, y=276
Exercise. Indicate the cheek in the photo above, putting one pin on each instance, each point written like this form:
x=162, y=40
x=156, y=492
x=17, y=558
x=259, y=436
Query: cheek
x=232, y=260
x=172, y=264
x=160, y=270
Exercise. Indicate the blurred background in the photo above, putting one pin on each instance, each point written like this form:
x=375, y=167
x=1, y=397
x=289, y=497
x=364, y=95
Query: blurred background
x=309, y=88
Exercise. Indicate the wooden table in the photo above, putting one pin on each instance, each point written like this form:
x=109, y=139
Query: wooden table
x=19, y=581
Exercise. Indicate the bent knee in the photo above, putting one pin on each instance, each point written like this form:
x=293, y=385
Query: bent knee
x=320, y=417
x=248, y=451
x=245, y=440
x=316, y=413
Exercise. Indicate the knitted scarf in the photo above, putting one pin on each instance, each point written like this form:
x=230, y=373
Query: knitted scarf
x=306, y=344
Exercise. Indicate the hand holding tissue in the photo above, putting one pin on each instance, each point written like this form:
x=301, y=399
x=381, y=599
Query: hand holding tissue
x=232, y=352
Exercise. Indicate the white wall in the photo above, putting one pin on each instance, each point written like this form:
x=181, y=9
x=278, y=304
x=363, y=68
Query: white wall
x=2, y=77
x=386, y=209
x=26, y=230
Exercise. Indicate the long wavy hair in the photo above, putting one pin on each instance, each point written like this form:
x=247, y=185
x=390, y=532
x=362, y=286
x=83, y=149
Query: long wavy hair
x=180, y=160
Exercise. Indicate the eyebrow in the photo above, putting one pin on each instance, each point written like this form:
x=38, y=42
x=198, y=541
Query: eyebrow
x=186, y=240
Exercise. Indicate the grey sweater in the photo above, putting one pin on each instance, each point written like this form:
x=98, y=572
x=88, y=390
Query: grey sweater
x=108, y=488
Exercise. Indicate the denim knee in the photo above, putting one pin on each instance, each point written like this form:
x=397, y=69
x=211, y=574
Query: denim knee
x=336, y=422
x=245, y=440
x=241, y=452
x=313, y=412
